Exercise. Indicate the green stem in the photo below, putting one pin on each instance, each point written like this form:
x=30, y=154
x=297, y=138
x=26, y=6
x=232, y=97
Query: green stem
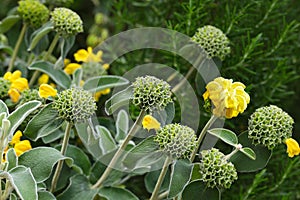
x=63, y=152
x=17, y=47
x=180, y=84
x=119, y=152
x=163, y=195
x=7, y=191
x=45, y=58
x=161, y=177
x=201, y=136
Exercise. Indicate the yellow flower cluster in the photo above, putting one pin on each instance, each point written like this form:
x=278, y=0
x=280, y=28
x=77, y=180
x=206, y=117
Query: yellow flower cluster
x=228, y=97
x=293, y=148
x=17, y=86
x=18, y=145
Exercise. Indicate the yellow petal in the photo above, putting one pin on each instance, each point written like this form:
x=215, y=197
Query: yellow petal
x=150, y=122
x=205, y=95
x=20, y=84
x=14, y=95
x=292, y=147
x=81, y=55
x=46, y=91
x=67, y=61
x=16, y=138
x=105, y=66
x=12, y=76
x=71, y=68
x=7, y=76
x=22, y=146
x=44, y=78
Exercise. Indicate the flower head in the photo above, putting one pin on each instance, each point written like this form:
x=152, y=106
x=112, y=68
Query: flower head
x=293, y=148
x=150, y=122
x=228, y=98
x=213, y=41
x=270, y=126
x=20, y=84
x=83, y=55
x=75, y=105
x=216, y=171
x=12, y=76
x=14, y=95
x=71, y=68
x=44, y=78
x=33, y=12
x=29, y=95
x=151, y=93
x=66, y=22
x=176, y=140
x=46, y=91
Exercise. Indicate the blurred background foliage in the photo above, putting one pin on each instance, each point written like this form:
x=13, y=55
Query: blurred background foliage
x=265, y=49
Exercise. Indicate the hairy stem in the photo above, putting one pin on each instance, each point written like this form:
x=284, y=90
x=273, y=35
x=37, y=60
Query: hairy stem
x=17, y=47
x=119, y=152
x=63, y=152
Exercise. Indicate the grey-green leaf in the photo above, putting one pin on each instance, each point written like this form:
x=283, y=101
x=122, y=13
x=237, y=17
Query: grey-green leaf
x=122, y=125
x=43, y=123
x=45, y=195
x=118, y=100
x=180, y=177
x=41, y=161
x=39, y=34
x=225, y=135
x=106, y=141
x=11, y=158
x=248, y=152
x=99, y=83
x=113, y=193
x=198, y=190
x=8, y=22
x=57, y=75
x=17, y=117
x=3, y=107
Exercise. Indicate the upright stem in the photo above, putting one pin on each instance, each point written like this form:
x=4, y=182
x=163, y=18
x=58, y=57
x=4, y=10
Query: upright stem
x=17, y=47
x=201, y=136
x=161, y=177
x=45, y=58
x=63, y=152
x=119, y=152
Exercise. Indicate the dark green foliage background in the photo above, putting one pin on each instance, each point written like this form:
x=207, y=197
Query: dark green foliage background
x=265, y=50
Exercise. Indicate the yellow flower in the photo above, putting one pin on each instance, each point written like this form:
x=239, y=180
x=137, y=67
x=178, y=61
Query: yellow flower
x=83, y=55
x=44, y=78
x=71, y=68
x=98, y=94
x=18, y=145
x=67, y=61
x=150, y=122
x=228, y=98
x=46, y=91
x=20, y=84
x=292, y=147
x=105, y=66
x=14, y=95
x=12, y=76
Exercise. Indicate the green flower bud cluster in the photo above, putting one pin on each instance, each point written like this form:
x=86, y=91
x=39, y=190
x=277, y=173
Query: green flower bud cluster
x=151, y=93
x=75, y=105
x=66, y=22
x=5, y=85
x=65, y=3
x=33, y=12
x=216, y=171
x=176, y=140
x=91, y=69
x=213, y=41
x=270, y=126
x=29, y=95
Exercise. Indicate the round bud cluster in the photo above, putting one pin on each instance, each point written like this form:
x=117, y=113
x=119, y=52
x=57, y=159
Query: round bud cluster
x=270, y=126
x=29, y=95
x=33, y=12
x=75, y=105
x=216, y=171
x=91, y=69
x=213, y=41
x=66, y=22
x=176, y=140
x=151, y=93
x=5, y=85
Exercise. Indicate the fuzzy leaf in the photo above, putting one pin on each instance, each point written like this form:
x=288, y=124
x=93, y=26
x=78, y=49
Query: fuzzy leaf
x=3, y=107
x=113, y=193
x=106, y=141
x=66, y=43
x=99, y=83
x=122, y=125
x=8, y=22
x=45, y=195
x=198, y=190
x=41, y=161
x=77, y=77
x=6, y=49
x=37, y=35
x=166, y=115
x=180, y=177
x=57, y=75
x=43, y=123
x=151, y=180
x=11, y=158
x=17, y=117
x=118, y=100
x=248, y=152
x=225, y=135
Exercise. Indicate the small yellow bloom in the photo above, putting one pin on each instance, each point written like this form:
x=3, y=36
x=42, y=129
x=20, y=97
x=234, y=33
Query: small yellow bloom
x=67, y=61
x=150, y=122
x=12, y=76
x=98, y=94
x=22, y=146
x=83, y=55
x=44, y=78
x=105, y=66
x=46, y=91
x=293, y=148
x=14, y=95
x=16, y=138
x=71, y=68
x=20, y=84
